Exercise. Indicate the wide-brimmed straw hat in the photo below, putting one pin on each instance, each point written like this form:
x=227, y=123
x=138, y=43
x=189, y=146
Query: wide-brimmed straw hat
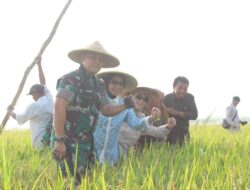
x=155, y=96
x=149, y=92
x=130, y=81
x=155, y=99
x=108, y=62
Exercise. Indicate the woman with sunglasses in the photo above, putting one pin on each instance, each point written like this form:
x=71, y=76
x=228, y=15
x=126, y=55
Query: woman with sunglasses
x=144, y=97
x=107, y=130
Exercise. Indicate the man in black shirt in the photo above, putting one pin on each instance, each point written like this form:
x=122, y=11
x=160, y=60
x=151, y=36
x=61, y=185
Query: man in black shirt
x=182, y=107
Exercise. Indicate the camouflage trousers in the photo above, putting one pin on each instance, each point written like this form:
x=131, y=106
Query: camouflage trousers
x=79, y=156
x=47, y=135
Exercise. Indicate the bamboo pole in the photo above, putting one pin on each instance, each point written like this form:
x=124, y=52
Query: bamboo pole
x=36, y=59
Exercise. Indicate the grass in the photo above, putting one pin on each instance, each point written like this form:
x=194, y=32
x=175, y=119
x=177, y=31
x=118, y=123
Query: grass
x=214, y=159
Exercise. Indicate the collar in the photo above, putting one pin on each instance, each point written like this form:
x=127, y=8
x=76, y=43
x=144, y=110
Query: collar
x=111, y=96
x=175, y=98
x=83, y=72
x=232, y=104
x=116, y=100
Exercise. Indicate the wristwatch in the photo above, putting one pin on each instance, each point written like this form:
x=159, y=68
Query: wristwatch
x=60, y=139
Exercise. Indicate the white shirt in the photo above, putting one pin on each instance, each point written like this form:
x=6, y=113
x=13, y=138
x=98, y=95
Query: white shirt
x=232, y=117
x=39, y=113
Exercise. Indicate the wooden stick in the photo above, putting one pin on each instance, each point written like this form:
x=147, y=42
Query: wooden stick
x=27, y=71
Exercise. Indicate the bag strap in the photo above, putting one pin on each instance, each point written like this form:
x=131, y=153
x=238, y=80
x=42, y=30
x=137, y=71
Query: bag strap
x=235, y=116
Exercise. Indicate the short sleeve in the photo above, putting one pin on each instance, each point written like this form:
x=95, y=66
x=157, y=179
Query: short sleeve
x=47, y=93
x=67, y=89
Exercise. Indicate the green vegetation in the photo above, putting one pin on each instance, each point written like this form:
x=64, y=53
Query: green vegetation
x=214, y=159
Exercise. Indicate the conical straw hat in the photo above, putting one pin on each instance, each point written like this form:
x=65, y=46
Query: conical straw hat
x=130, y=81
x=108, y=62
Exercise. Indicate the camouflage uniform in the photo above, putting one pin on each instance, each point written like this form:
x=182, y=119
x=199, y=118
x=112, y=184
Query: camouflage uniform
x=85, y=94
x=47, y=135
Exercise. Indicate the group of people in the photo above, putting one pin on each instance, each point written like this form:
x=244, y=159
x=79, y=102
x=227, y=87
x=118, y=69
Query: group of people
x=102, y=115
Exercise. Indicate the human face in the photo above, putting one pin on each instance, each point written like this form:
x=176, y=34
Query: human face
x=35, y=96
x=116, y=85
x=235, y=102
x=92, y=62
x=180, y=90
x=140, y=102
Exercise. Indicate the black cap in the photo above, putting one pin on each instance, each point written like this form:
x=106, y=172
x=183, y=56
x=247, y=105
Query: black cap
x=236, y=98
x=36, y=88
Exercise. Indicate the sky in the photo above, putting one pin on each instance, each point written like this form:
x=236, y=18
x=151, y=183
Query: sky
x=155, y=41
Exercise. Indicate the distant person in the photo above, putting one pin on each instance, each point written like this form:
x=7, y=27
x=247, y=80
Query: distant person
x=181, y=105
x=40, y=112
x=106, y=135
x=232, y=117
x=129, y=137
x=80, y=97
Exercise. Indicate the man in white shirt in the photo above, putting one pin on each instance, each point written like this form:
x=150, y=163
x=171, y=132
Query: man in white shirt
x=232, y=116
x=40, y=112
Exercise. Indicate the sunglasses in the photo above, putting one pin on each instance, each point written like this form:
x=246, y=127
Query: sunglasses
x=142, y=97
x=115, y=82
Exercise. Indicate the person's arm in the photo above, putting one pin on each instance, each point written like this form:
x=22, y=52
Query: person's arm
x=65, y=95
x=162, y=130
x=230, y=115
x=10, y=111
x=243, y=122
x=174, y=112
x=40, y=71
x=30, y=112
x=59, y=120
x=139, y=123
x=111, y=109
x=60, y=116
x=190, y=114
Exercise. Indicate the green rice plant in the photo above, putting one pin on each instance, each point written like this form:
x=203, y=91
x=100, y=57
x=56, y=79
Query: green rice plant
x=214, y=158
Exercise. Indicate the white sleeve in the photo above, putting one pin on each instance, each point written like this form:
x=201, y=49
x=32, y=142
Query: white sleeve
x=50, y=101
x=47, y=93
x=230, y=115
x=28, y=114
x=160, y=131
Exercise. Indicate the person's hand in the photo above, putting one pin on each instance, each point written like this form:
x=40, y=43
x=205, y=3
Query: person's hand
x=172, y=111
x=59, y=151
x=155, y=113
x=10, y=111
x=243, y=122
x=129, y=101
x=171, y=123
x=10, y=108
x=39, y=60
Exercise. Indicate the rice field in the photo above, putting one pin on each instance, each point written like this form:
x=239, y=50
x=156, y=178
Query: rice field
x=214, y=159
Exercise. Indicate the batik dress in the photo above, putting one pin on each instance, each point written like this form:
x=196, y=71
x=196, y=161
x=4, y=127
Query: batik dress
x=107, y=131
